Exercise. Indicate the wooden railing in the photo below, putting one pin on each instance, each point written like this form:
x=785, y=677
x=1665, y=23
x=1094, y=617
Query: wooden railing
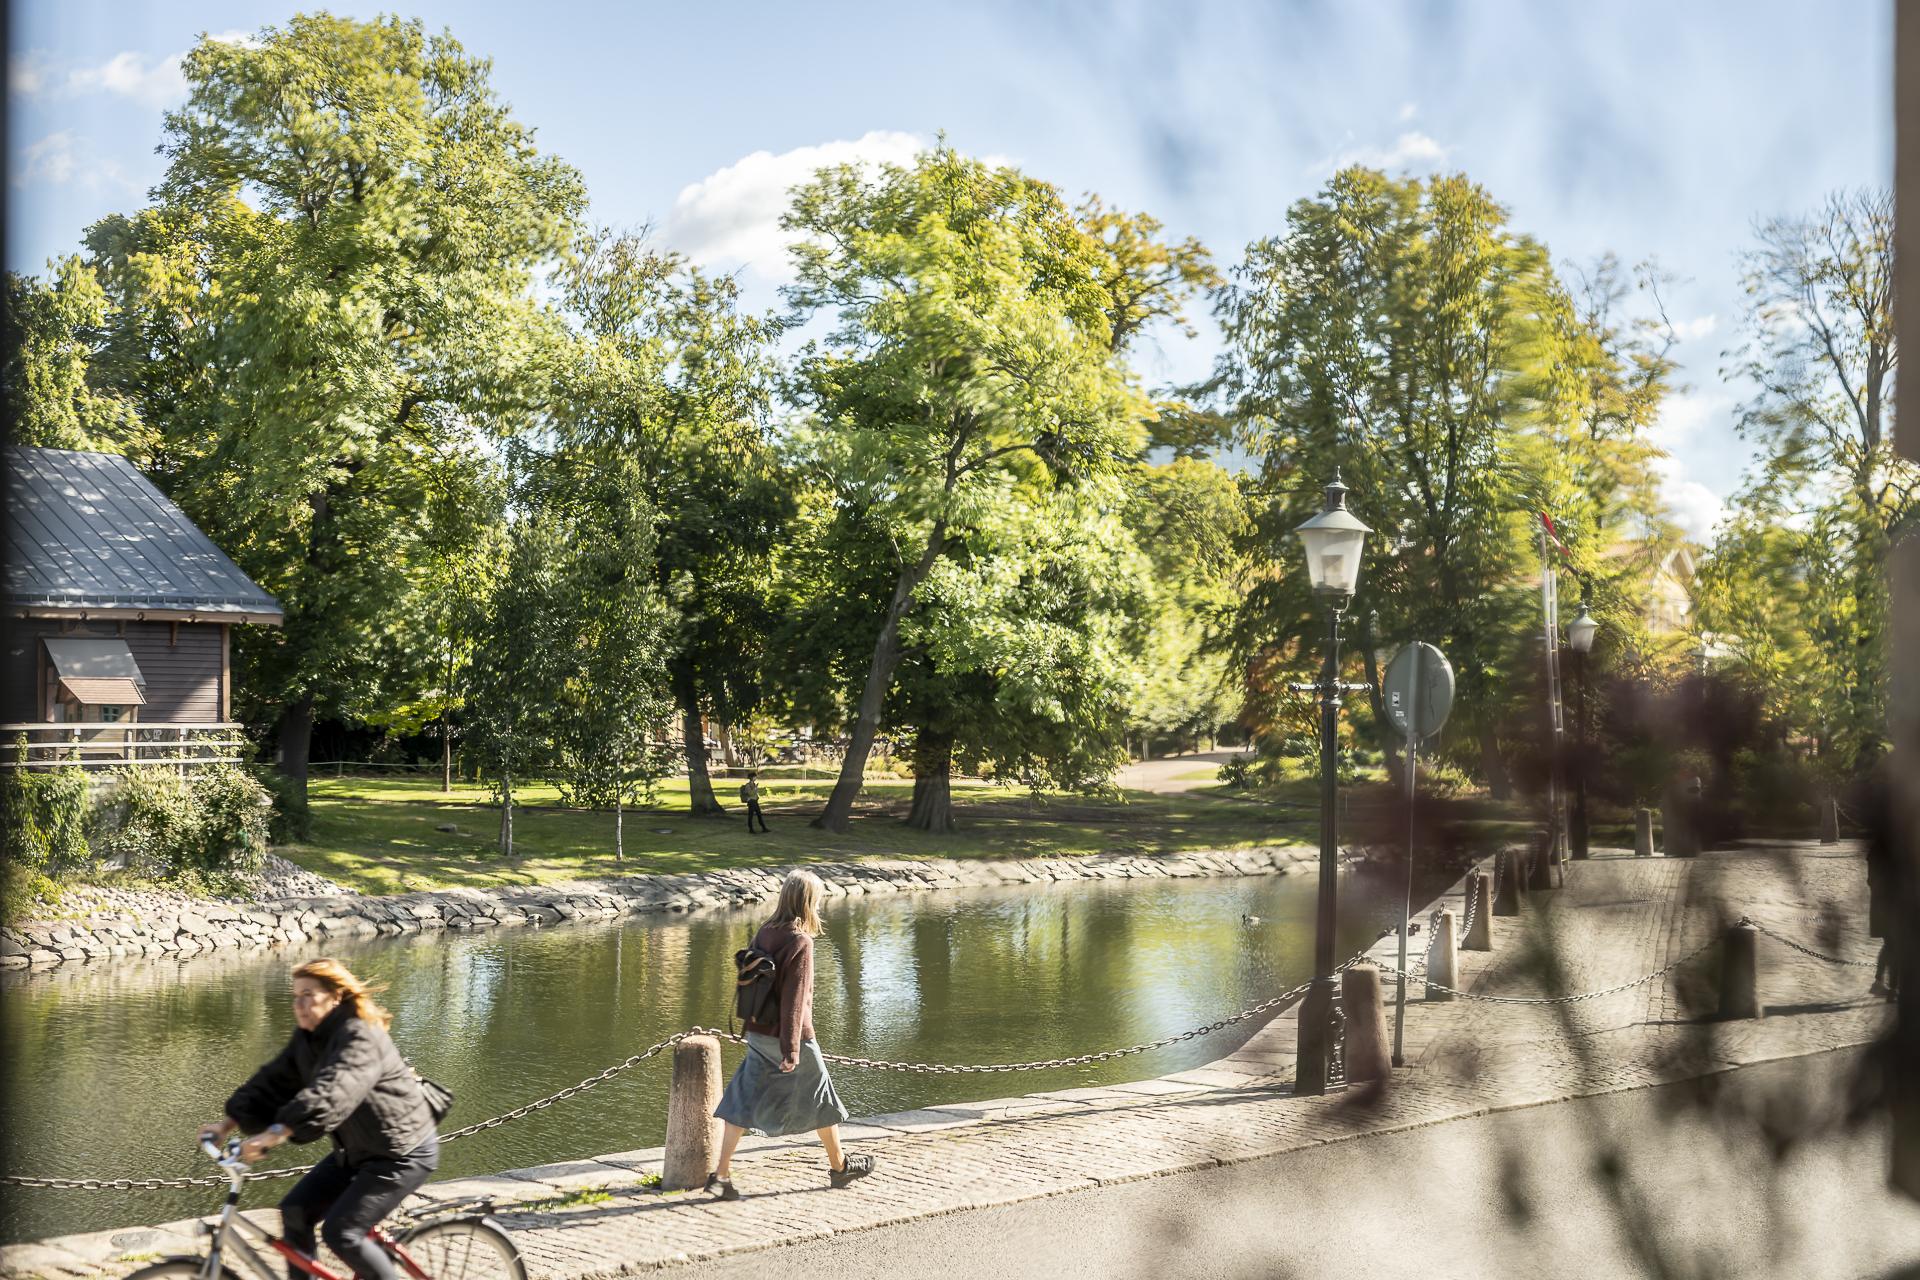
x=104, y=745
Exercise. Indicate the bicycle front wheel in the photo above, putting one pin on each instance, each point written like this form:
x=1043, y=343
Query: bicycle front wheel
x=178, y=1268
x=464, y=1249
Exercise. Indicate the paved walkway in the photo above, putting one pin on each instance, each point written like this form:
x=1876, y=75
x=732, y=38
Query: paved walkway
x=1170, y=775
x=1618, y=919
x=1511, y=1194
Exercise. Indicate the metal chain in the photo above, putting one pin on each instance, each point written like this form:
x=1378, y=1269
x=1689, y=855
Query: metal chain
x=1573, y=999
x=1817, y=955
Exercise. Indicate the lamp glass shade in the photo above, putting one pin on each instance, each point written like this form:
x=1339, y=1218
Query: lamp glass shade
x=1580, y=631
x=1333, y=558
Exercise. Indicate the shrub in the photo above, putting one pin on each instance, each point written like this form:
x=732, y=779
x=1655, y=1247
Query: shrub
x=1235, y=773
x=196, y=828
x=43, y=819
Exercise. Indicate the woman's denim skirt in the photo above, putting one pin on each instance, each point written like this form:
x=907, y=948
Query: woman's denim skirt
x=767, y=1100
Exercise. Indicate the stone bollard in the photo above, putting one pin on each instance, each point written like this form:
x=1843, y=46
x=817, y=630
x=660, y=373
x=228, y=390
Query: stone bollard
x=1367, y=1055
x=1740, y=973
x=1443, y=960
x=693, y=1132
x=1480, y=894
x=1643, y=833
x=1677, y=833
x=1539, y=865
x=1506, y=900
x=1829, y=821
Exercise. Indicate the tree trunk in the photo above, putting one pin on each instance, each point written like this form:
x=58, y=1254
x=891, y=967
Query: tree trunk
x=701, y=801
x=506, y=815
x=886, y=657
x=1499, y=783
x=619, y=823
x=1391, y=744
x=296, y=741
x=446, y=755
x=932, y=808
x=727, y=750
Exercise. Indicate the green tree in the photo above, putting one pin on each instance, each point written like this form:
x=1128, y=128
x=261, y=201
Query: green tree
x=675, y=382
x=52, y=327
x=971, y=366
x=329, y=304
x=1402, y=331
x=1829, y=497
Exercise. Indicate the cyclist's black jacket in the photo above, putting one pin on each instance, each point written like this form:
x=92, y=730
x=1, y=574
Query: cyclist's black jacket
x=344, y=1079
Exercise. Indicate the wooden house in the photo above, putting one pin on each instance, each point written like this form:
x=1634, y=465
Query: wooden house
x=119, y=617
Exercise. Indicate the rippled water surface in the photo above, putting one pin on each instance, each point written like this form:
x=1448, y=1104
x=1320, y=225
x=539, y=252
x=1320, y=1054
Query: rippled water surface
x=110, y=1069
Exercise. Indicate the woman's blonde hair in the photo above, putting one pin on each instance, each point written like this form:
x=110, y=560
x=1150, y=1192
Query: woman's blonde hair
x=358, y=996
x=799, y=903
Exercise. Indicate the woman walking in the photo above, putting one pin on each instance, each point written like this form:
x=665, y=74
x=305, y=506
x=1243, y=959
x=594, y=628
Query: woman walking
x=781, y=1086
x=339, y=1076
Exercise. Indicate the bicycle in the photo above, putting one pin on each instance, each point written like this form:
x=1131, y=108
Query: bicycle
x=452, y=1240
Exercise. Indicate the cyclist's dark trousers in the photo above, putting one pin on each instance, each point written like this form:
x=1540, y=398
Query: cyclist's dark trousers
x=346, y=1203
x=753, y=812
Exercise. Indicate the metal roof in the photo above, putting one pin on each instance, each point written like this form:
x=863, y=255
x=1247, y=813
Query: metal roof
x=86, y=531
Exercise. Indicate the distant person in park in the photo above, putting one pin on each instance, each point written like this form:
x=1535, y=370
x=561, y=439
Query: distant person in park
x=750, y=796
x=340, y=1077
x=781, y=1086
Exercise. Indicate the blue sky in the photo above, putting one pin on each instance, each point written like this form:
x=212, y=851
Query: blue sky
x=1649, y=130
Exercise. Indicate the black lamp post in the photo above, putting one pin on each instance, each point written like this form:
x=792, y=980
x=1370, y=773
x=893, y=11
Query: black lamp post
x=1580, y=633
x=1333, y=541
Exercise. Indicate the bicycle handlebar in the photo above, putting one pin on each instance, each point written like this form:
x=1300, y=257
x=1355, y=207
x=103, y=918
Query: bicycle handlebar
x=227, y=1157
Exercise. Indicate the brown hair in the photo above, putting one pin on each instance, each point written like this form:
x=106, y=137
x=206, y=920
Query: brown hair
x=799, y=903
x=355, y=994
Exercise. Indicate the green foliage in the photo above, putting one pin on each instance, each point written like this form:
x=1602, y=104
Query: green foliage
x=44, y=379
x=347, y=232
x=1402, y=331
x=43, y=814
x=200, y=828
x=1794, y=594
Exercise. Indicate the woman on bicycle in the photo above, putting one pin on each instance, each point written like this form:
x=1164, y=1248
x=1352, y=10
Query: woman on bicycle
x=339, y=1076
x=781, y=1086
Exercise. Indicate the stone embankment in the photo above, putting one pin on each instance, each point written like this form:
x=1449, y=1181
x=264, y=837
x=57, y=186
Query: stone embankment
x=125, y=923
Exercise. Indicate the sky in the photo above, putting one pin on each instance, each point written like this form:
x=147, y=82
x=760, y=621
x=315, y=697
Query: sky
x=1655, y=132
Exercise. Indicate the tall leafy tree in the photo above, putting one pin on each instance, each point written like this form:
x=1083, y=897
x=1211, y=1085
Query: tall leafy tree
x=971, y=366
x=51, y=397
x=673, y=390
x=329, y=303
x=1799, y=579
x=1402, y=331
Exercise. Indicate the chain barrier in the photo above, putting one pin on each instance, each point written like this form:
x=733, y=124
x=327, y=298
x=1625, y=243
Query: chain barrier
x=1809, y=951
x=923, y=1068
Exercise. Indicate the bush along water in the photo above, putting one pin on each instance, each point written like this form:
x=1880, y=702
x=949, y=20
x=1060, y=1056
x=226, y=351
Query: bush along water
x=43, y=818
x=197, y=831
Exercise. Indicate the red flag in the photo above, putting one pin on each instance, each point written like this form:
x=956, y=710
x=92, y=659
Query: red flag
x=1554, y=533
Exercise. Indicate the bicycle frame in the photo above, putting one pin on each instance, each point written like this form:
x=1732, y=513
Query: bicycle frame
x=231, y=1232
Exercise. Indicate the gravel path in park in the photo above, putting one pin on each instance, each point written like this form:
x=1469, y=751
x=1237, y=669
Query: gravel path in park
x=1617, y=919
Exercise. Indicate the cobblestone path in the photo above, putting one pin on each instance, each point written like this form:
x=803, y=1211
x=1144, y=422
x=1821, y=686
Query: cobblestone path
x=1616, y=919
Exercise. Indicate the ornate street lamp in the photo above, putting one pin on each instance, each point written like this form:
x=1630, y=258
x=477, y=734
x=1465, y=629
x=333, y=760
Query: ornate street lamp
x=1333, y=541
x=1580, y=633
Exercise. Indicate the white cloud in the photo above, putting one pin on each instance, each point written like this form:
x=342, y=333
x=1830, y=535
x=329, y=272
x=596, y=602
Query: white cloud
x=1408, y=110
x=65, y=157
x=52, y=161
x=1690, y=504
x=731, y=217
x=1411, y=150
x=245, y=39
x=1698, y=327
x=153, y=82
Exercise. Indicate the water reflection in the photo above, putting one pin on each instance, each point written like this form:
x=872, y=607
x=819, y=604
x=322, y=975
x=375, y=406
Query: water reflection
x=110, y=1068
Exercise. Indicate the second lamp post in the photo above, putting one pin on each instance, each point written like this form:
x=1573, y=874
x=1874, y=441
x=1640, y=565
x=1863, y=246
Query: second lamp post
x=1333, y=541
x=1580, y=633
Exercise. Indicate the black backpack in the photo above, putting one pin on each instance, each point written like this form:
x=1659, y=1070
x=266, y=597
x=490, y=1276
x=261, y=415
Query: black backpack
x=756, y=986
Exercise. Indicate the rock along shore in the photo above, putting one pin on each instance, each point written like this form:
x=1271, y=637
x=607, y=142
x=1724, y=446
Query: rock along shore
x=127, y=923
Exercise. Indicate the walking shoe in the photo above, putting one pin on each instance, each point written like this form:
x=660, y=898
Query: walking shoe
x=856, y=1167
x=721, y=1188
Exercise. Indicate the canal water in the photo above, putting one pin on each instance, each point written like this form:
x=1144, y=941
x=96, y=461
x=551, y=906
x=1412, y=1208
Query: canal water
x=109, y=1069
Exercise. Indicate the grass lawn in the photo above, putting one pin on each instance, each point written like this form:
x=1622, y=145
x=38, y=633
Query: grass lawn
x=382, y=834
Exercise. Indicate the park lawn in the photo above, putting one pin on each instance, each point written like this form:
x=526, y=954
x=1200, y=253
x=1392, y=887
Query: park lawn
x=381, y=835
